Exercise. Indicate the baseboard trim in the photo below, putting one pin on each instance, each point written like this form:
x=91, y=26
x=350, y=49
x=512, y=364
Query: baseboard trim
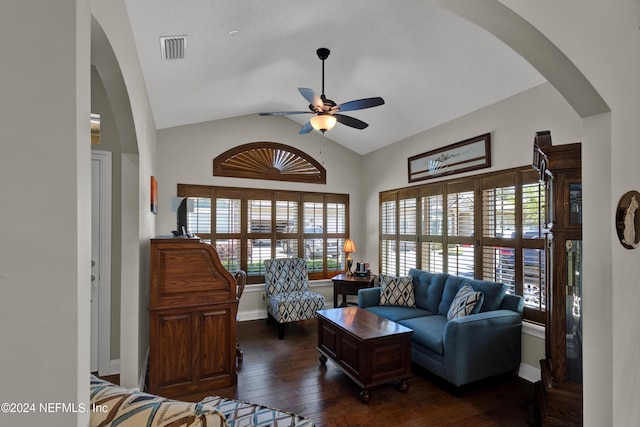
x=529, y=373
x=252, y=315
x=533, y=330
x=114, y=367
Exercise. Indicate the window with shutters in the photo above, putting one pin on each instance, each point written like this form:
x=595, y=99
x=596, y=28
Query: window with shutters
x=407, y=232
x=248, y=226
x=459, y=258
x=488, y=226
x=432, y=226
x=388, y=236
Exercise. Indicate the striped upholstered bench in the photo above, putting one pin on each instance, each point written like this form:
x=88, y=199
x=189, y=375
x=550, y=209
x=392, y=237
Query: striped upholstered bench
x=113, y=405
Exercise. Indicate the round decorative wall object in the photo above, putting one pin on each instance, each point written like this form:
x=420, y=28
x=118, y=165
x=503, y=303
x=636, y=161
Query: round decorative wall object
x=628, y=220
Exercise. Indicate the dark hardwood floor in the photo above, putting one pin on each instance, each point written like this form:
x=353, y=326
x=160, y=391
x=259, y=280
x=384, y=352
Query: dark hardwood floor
x=287, y=375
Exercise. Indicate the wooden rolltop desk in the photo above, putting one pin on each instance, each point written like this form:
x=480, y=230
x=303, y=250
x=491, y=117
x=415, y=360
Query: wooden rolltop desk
x=192, y=318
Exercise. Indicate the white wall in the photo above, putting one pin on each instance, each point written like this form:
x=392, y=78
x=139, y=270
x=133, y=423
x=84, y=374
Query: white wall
x=110, y=142
x=45, y=174
x=45, y=233
x=137, y=131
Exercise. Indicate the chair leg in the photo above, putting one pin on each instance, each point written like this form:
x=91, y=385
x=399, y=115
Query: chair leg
x=239, y=354
x=280, y=331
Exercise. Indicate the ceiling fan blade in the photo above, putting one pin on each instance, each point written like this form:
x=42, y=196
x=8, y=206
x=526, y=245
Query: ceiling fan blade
x=350, y=121
x=306, y=128
x=285, y=113
x=311, y=97
x=361, y=104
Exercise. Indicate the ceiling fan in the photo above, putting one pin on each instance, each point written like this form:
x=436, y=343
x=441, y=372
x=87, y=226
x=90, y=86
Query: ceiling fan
x=326, y=111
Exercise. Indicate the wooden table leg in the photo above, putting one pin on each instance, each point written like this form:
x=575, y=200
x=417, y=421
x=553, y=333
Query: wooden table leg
x=323, y=360
x=365, y=396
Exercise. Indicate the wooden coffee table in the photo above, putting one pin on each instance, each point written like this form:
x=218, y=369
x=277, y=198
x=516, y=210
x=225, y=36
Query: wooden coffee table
x=370, y=349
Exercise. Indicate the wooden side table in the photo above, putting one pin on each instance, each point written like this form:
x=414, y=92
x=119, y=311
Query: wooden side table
x=349, y=285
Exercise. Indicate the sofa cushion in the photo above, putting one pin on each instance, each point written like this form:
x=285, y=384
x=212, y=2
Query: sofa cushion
x=427, y=288
x=123, y=407
x=398, y=313
x=427, y=331
x=451, y=286
x=464, y=302
x=396, y=291
x=493, y=294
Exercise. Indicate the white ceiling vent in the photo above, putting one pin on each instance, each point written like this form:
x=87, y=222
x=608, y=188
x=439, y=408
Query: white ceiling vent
x=173, y=47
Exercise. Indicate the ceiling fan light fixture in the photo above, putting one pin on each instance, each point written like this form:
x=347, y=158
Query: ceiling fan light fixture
x=323, y=122
x=325, y=110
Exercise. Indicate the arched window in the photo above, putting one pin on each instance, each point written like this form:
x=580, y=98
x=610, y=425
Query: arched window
x=269, y=160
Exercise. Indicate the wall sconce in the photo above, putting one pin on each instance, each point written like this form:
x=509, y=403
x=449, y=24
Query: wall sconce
x=349, y=248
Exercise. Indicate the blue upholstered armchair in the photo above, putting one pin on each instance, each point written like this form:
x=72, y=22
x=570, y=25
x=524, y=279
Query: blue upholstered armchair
x=287, y=289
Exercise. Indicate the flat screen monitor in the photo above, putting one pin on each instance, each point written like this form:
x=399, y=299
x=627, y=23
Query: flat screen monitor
x=181, y=214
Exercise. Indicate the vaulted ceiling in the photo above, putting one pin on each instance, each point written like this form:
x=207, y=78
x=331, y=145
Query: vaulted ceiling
x=248, y=56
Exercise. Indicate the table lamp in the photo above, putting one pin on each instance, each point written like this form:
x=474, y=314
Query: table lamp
x=349, y=247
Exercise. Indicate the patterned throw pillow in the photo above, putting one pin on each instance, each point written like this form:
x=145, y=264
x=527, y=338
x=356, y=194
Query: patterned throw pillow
x=118, y=406
x=464, y=302
x=397, y=291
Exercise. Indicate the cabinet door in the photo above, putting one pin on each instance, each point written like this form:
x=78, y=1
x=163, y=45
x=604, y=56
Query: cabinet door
x=573, y=313
x=567, y=205
x=216, y=339
x=171, y=350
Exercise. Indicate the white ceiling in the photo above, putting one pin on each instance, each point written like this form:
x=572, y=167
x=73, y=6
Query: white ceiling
x=429, y=65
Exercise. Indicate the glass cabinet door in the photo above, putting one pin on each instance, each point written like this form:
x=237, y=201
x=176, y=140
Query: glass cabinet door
x=575, y=203
x=574, y=311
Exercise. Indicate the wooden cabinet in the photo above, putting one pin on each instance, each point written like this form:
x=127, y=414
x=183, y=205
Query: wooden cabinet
x=370, y=349
x=560, y=389
x=192, y=318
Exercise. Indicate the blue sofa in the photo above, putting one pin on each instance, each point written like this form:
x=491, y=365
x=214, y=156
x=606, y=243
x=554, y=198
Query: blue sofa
x=461, y=350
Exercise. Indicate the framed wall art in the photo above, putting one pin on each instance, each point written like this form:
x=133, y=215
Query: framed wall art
x=470, y=154
x=154, y=195
x=628, y=220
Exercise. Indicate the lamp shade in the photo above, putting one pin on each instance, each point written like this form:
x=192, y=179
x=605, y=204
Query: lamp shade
x=323, y=122
x=349, y=246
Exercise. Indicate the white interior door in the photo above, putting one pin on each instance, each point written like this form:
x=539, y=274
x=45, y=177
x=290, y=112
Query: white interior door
x=100, y=283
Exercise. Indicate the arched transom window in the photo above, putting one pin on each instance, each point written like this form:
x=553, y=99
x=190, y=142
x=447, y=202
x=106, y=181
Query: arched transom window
x=269, y=160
